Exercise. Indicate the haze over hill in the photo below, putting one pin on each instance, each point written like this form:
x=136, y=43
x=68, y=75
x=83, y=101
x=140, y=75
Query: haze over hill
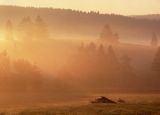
x=149, y=16
x=73, y=24
x=104, y=54
x=53, y=54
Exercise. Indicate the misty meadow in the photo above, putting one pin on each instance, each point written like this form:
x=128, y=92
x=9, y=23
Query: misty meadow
x=72, y=62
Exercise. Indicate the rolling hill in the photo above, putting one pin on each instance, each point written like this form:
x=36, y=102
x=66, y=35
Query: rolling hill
x=67, y=23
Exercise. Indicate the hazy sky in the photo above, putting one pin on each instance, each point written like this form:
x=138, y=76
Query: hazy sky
x=126, y=7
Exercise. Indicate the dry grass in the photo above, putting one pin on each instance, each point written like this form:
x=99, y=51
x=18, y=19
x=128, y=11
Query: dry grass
x=96, y=109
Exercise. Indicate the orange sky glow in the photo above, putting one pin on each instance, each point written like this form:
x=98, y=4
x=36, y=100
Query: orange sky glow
x=125, y=7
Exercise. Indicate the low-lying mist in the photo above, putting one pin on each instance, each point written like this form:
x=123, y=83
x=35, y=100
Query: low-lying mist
x=36, y=66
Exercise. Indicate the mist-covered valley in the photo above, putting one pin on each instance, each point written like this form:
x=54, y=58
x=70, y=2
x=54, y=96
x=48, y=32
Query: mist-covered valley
x=54, y=54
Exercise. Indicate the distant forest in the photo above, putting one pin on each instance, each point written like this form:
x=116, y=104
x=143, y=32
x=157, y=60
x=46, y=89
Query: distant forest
x=67, y=23
x=55, y=51
x=149, y=16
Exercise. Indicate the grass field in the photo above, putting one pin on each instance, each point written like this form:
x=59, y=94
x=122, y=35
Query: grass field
x=92, y=109
x=136, y=104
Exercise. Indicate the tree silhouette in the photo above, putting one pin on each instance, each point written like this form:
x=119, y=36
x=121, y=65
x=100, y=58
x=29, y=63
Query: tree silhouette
x=91, y=48
x=40, y=28
x=156, y=61
x=107, y=35
x=5, y=66
x=111, y=55
x=19, y=75
x=26, y=29
x=126, y=62
x=101, y=51
x=154, y=41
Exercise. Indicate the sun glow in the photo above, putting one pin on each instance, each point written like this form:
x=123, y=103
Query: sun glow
x=1, y=36
x=104, y=6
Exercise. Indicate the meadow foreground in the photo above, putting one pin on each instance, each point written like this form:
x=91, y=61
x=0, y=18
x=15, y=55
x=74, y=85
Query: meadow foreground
x=78, y=61
x=92, y=109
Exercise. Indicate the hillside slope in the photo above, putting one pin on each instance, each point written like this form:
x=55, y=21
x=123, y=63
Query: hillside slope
x=64, y=23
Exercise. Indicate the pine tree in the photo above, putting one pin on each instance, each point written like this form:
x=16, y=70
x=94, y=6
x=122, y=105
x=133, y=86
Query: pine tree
x=40, y=29
x=101, y=50
x=112, y=58
x=4, y=63
x=126, y=62
x=156, y=61
x=91, y=48
x=26, y=29
x=154, y=41
x=107, y=35
x=101, y=57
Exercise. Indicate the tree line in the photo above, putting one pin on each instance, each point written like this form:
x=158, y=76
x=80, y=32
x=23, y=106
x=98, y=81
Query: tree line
x=27, y=30
x=19, y=75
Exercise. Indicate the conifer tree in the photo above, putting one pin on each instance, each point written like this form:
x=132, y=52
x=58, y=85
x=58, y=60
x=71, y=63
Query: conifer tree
x=101, y=50
x=112, y=58
x=156, y=61
x=41, y=31
x=154, y=41
x=26, y=29
x=108, y=35
x=126, y=62
x=91, y=48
